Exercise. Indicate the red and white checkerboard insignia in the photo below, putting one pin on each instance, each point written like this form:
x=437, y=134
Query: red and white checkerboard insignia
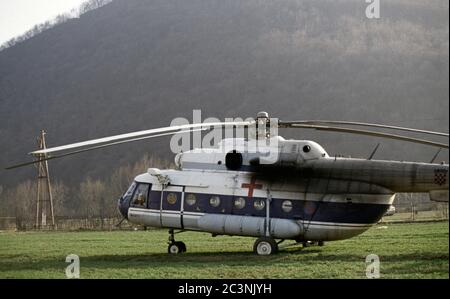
x=440, y=176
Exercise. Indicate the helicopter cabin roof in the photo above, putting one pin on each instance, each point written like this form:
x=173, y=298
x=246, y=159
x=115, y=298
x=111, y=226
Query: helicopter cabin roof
x=244, y=153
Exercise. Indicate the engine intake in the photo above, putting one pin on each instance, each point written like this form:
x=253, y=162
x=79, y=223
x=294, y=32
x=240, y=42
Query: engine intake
x=233, y=160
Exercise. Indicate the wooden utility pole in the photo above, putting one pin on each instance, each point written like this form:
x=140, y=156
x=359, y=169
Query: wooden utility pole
x=44, y=203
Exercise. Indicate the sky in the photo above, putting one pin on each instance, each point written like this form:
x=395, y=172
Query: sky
x=18, y=16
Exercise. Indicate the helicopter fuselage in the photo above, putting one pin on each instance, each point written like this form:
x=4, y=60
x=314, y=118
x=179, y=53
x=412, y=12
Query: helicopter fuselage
x=315, y=199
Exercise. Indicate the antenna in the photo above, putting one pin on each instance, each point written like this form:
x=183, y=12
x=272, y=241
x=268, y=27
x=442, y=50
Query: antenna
x=44, y=202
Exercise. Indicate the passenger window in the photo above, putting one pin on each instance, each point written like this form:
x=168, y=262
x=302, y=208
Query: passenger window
x=140, y=196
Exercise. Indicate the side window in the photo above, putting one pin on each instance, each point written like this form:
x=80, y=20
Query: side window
x=140, y=196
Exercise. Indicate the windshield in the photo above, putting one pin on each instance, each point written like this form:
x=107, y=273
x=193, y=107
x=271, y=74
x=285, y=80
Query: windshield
x=130, y=190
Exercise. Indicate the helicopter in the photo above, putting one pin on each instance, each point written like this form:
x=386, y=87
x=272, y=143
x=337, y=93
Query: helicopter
x=267, y=187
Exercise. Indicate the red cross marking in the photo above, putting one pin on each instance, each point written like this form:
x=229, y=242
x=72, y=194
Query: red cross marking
x=252, y=186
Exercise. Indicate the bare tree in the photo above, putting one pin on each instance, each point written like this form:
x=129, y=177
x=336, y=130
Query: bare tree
x=60, y=195
x=21, y=202
x=91, y=192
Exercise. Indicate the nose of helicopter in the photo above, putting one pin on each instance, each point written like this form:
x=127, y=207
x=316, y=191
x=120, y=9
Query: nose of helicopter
x=123, y=206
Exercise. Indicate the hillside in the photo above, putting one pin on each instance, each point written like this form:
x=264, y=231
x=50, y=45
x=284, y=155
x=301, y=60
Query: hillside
x=133, y=65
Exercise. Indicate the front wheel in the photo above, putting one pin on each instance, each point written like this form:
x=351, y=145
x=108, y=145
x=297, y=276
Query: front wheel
x=265, y=246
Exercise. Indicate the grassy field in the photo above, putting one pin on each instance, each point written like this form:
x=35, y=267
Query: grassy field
x=417, y=250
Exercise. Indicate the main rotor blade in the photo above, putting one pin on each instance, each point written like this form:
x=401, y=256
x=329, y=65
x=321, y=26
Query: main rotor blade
x=98, y=147
x=287, y=124
x=369, y=133
x=128, y=136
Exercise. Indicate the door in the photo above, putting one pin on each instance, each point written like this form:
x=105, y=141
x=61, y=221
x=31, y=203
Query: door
x=171, y=206
x=144, y=206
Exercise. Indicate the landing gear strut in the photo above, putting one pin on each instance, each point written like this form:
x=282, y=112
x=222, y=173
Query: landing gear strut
x=175, y=247
x=265, y=246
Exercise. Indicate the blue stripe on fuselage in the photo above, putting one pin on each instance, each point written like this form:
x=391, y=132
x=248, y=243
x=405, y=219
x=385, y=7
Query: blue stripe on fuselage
x=322, y=211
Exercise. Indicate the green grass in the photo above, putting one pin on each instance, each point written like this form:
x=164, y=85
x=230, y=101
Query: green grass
x=417, y=250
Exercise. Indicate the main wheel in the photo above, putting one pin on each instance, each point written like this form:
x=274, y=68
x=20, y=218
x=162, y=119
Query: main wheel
x=182, y=246
x=174, y=248
x=265, y=246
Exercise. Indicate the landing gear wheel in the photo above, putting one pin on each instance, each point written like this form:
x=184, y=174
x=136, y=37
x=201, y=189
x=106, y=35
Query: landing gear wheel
x=321, y=243
x=265, y=246
x=176, y=247
x=182, y=246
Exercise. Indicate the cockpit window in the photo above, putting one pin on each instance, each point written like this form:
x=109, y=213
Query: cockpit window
x=130, y=190
x=140, y=196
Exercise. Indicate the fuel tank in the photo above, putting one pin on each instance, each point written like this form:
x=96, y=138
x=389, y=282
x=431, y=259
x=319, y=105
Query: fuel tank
x=248, y=226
